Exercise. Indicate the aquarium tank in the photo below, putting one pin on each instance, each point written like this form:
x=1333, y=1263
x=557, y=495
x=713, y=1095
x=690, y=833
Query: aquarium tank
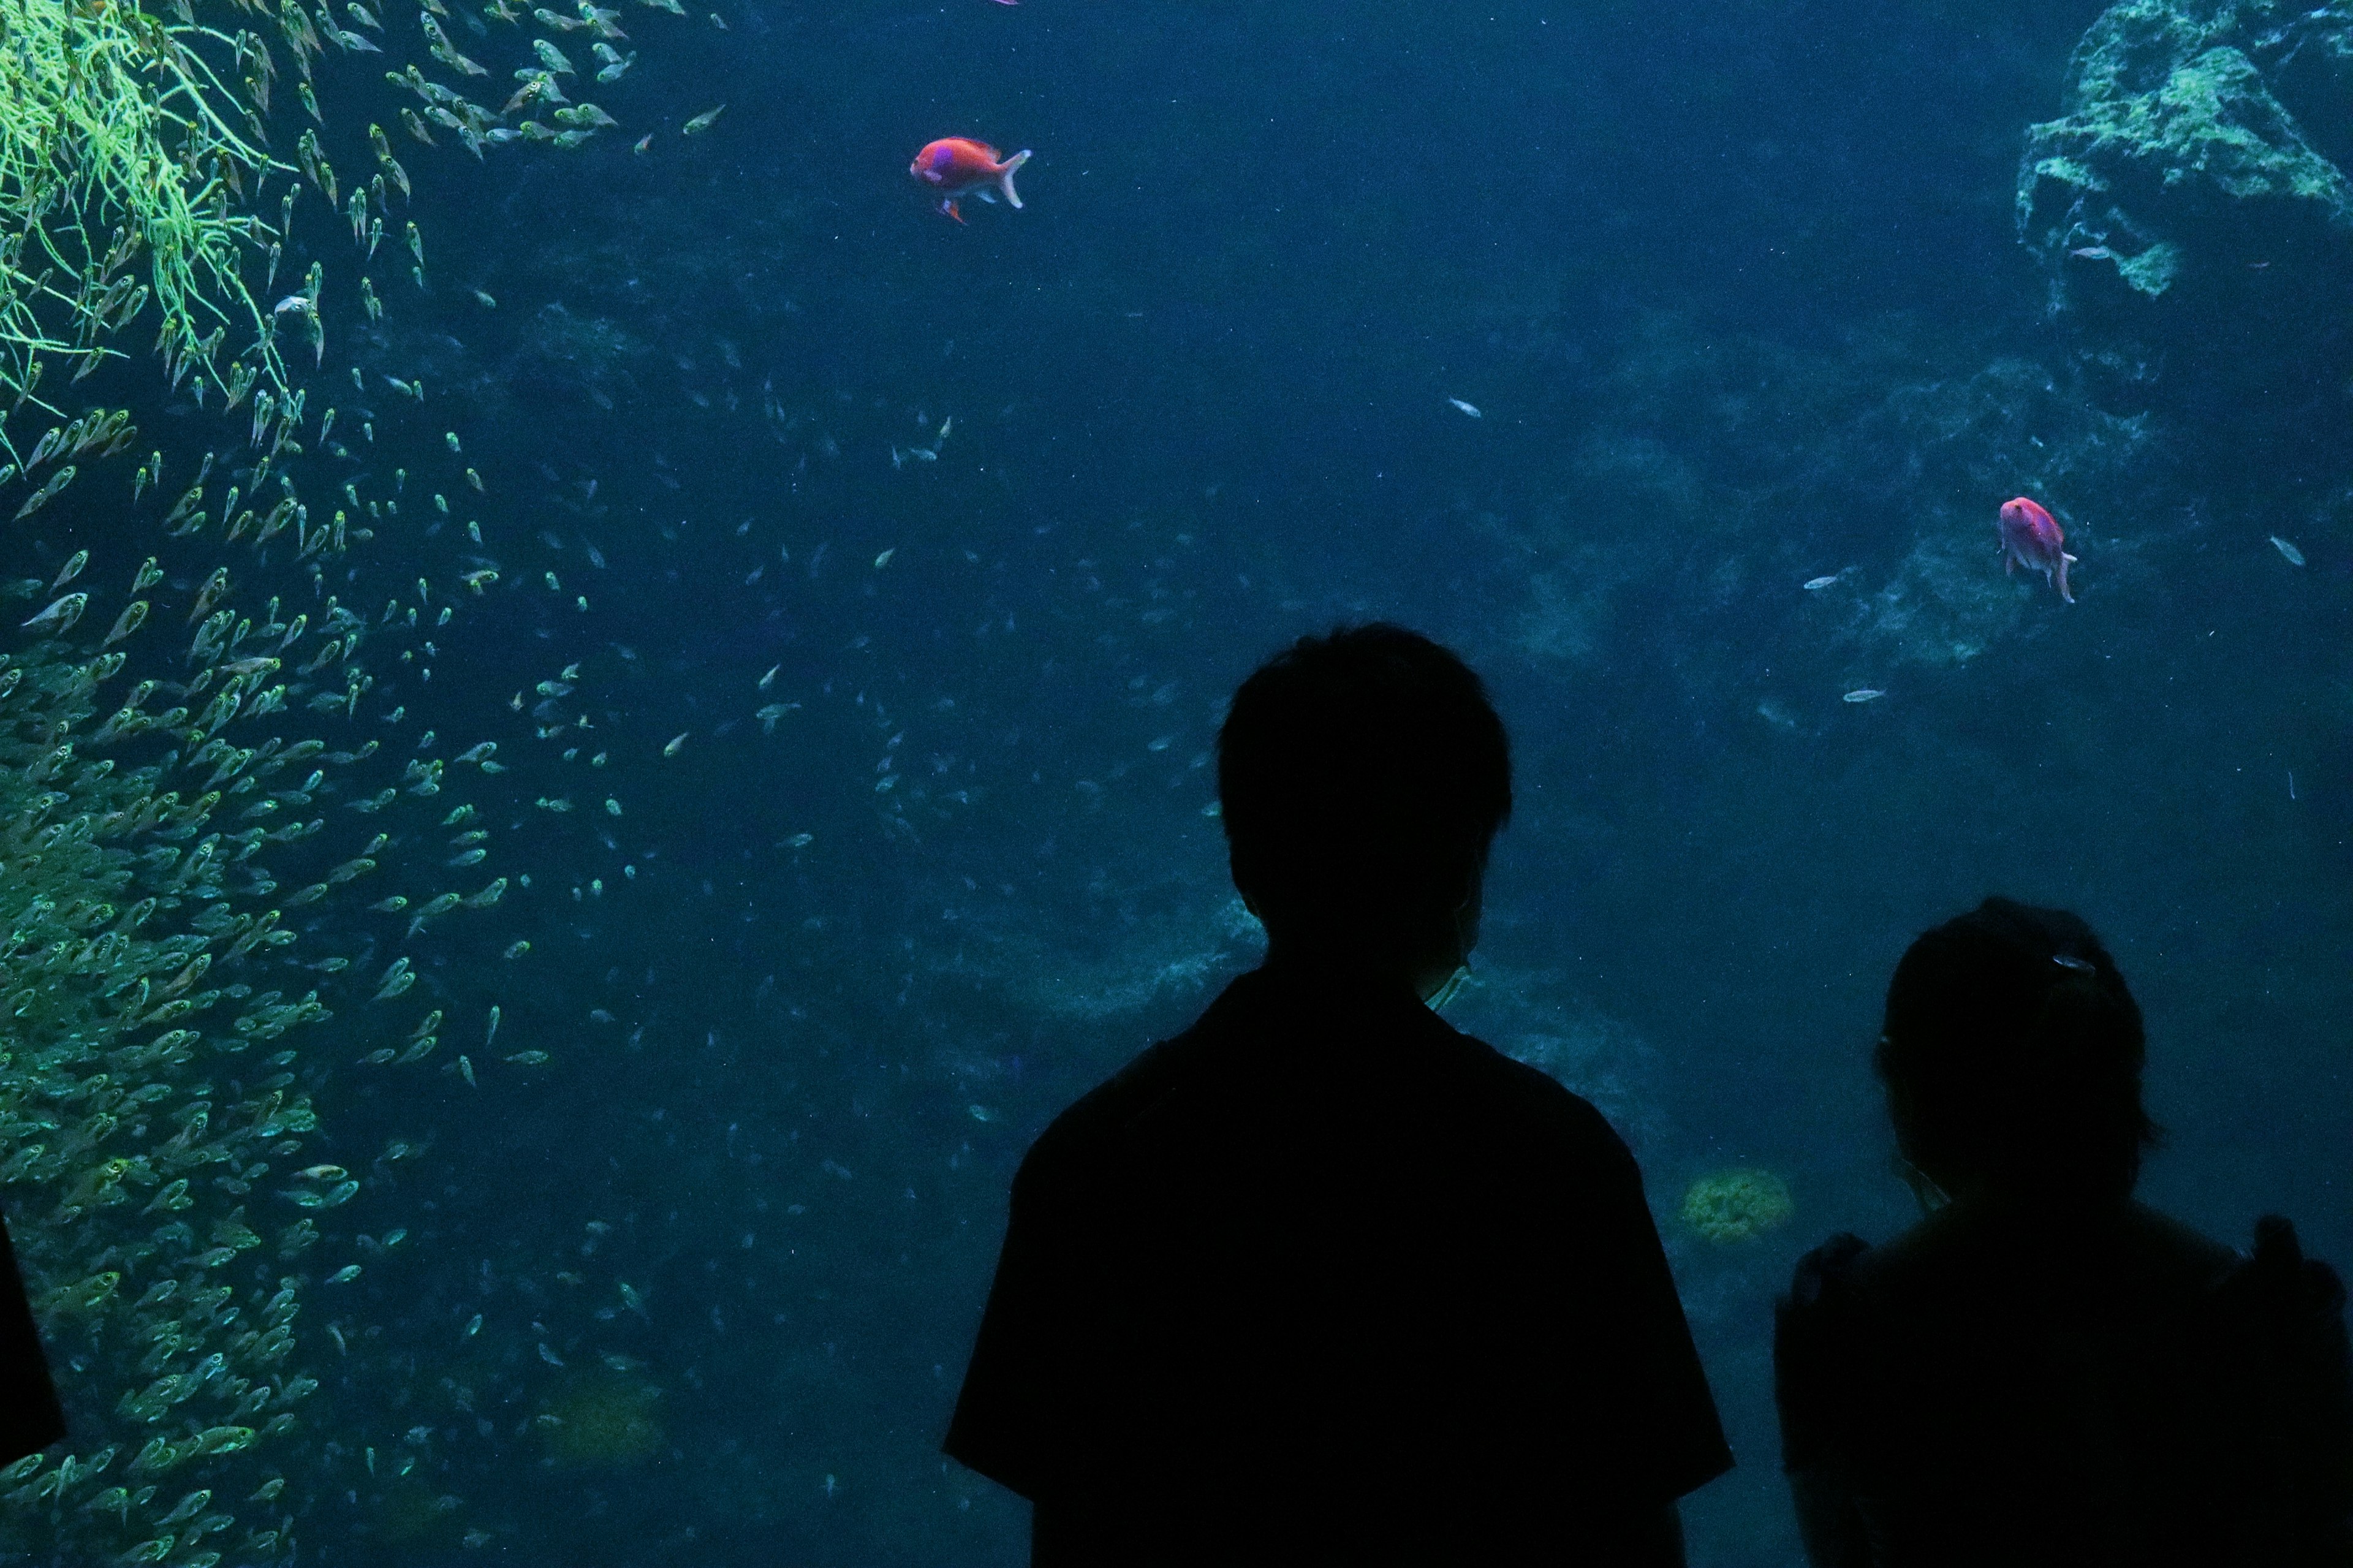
x=608, y=688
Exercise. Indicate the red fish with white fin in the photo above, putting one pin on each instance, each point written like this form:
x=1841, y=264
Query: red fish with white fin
x=2030, y=538
x=956, y=166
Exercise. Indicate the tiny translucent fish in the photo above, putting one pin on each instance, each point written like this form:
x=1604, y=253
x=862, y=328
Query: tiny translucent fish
x=1863, y=694
x=474, y=1327
x=1466, y=408
x=2288, y=551
x=465, y=1070
x=346, y=1275
x=769, y=679
x=61, y=616
x=884, y=558
x=797, y=841
x=676, y=742
x=703, y=121
x=529, y=1060
x=1816, y=585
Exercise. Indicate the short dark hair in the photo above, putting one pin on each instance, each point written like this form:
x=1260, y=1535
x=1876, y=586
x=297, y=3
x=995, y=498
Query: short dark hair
x=1361, y=777
x=2012, y=1055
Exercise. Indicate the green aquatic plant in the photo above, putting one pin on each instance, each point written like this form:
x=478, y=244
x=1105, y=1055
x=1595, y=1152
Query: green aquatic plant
x=125, y=179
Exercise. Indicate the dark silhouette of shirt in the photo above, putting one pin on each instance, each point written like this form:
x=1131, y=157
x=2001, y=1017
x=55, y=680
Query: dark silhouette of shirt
x=29, y=1418
x=1323, y=1277
x=2099, y=1388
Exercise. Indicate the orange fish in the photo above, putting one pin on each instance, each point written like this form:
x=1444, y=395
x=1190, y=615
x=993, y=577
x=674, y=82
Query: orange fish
x=956, y=166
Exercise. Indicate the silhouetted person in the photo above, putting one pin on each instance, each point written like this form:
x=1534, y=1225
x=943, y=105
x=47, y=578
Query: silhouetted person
x=2043, y=1372
x=29, y=1418
x=1321, y=1279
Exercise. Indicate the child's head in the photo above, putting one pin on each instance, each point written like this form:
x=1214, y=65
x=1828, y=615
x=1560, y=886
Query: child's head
x=2013, y=1053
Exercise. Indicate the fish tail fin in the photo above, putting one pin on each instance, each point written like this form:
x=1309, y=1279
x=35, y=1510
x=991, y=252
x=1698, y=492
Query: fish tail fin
x=2059, y=577
x=1005, y=177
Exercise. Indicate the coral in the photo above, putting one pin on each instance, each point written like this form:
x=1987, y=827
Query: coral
x=1736, y=1206
x=2192, y=209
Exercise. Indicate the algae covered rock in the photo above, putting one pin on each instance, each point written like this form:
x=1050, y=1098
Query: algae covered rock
x=2192, y=211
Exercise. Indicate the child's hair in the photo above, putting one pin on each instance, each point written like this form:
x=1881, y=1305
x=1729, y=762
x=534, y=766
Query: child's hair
x=2012, y=1055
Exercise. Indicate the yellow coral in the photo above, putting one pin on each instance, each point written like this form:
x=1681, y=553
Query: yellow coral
x=1734, y=1205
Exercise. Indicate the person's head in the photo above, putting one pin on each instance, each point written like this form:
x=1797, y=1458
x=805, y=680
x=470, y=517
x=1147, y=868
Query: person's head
x=1361, y=777
x=2013, y=1053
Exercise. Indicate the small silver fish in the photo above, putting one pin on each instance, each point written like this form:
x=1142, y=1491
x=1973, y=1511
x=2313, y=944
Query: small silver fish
x=2294, y=556
x=1466, y=408
x=1863, y=694
x=1815, y=584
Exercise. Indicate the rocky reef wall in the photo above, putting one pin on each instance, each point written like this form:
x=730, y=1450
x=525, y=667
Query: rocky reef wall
x=2191, y=210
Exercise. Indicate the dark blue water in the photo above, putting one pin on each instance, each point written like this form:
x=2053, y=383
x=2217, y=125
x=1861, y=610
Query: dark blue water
x=1737, y=294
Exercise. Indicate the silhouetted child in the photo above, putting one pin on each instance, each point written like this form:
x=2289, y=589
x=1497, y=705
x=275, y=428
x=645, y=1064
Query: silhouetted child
x=2043, y=1372
x=1321, y=1279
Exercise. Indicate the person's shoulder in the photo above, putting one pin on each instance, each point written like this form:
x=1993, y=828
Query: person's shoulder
x=1101, y=1118
x=2183, y=1254
x=1533, y=1100
x=1093, y=1121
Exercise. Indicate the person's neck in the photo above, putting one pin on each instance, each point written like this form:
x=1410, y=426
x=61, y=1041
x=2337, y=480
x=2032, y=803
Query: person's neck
x=1353, y=968
x=2037, y=1208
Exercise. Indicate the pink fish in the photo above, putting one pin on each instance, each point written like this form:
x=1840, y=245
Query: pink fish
x=2030, y=538
x=957, y=166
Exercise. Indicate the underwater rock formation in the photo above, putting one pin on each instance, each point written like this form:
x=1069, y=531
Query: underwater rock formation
x=2192, y=212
